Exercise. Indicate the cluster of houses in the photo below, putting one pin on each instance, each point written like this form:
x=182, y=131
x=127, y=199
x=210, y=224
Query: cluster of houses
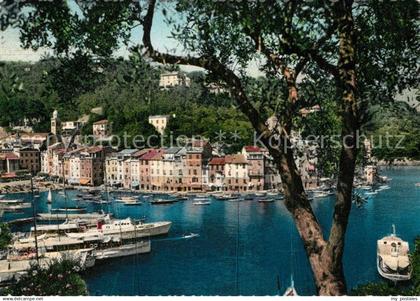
x=194, y=166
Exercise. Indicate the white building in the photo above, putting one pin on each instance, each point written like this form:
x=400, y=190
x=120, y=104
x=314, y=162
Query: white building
x=74, y=170
x=101, y=129
x=159, y=122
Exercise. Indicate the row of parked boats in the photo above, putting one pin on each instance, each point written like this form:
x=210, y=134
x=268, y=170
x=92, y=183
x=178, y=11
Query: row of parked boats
x=84, y=237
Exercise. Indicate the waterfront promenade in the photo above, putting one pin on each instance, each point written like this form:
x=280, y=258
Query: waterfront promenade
x=243, y=246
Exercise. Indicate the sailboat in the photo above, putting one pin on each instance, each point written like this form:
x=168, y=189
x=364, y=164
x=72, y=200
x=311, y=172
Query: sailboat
x=49, y=198
x=393, y=260
x=291, y=291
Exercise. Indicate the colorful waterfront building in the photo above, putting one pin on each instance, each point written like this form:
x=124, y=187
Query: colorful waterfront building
x=145, y=166
x=101, y=129
x=217, y=174
x=29, y=159
x=173, y=165
x=255, y=158
x=236, y=173
x=198, y=154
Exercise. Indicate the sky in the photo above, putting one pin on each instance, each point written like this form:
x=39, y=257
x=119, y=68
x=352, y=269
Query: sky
x=11, y=50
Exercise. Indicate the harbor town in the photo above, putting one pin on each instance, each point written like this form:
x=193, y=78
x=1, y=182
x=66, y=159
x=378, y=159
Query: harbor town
x=209, y=148
x=70, y=201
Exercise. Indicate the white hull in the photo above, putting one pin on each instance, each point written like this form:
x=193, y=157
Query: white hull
x=10, y=269
x=395, y=277
x=144, y=230
x=124, y=250
x=63, y=216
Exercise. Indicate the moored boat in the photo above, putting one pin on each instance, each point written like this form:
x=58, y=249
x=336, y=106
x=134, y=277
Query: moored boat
x=163, y=201
x=69, y=209
x=13, y=208
x=128, y=201
x=319, y=194
x=10, y=202
x=70, y=216
x=15, y=265
x=125, y=229
x=260, y=194
x=140, y=247
x=265, y=200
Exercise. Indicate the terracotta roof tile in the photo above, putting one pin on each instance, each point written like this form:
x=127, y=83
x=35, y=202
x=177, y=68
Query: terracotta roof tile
x=235, y=159
x=217, y=161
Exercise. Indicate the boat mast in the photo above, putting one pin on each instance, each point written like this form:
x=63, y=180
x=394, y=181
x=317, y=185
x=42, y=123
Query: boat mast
x=64, y=186
x=34, y=217
x=393, y=230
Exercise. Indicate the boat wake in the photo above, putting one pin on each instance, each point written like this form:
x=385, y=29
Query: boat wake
x=185, y=236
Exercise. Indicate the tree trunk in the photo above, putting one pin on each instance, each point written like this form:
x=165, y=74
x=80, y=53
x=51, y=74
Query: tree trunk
x=324, y=256
x=327, y=272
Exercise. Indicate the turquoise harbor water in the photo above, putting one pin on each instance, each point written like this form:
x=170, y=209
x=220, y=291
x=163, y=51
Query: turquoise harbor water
x=243, y=247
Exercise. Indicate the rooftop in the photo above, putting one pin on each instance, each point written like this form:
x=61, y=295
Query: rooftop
x=235, y=159
x=158, y=116
x=152, y=154
x=173, y=150
x=104, y=121
x=217, y=161
x=127, y=152
x=252, y=149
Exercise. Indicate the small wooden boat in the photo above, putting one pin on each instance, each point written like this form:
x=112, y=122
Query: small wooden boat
x=163, y=201
x=417, y=184
x=266, y=201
